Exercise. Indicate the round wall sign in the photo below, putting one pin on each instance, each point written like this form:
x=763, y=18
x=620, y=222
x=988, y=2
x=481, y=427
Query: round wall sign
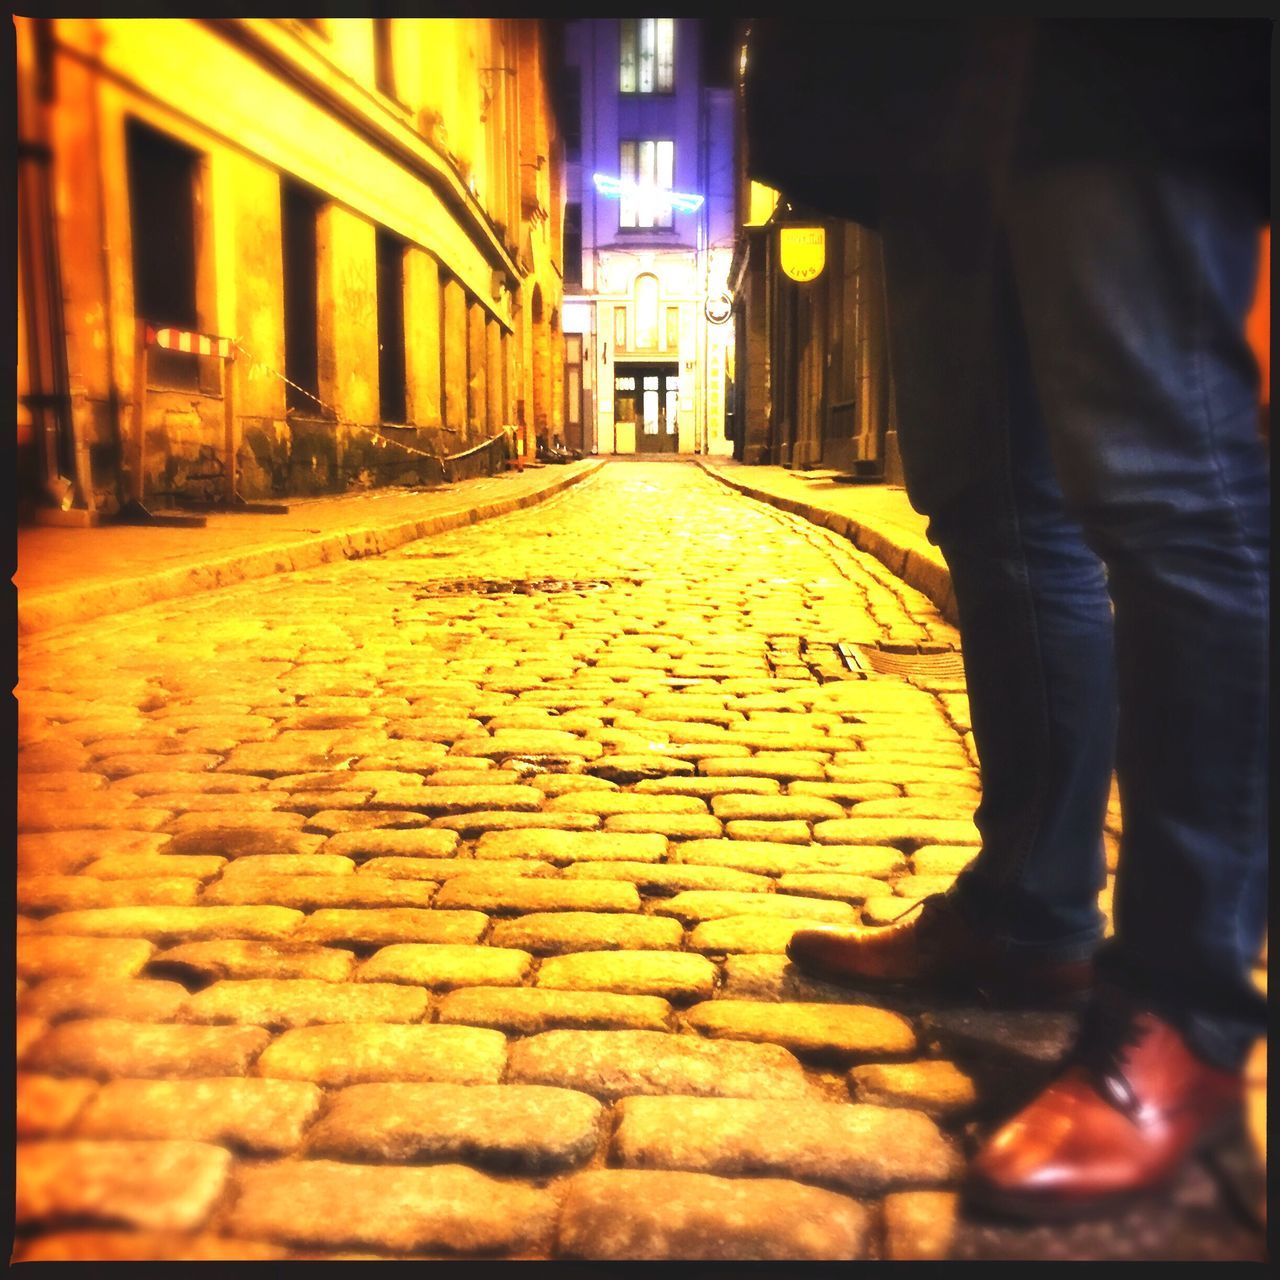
x=719, y=308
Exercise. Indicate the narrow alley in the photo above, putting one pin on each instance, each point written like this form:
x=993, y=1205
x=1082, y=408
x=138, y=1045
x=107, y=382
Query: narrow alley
x=435, y=904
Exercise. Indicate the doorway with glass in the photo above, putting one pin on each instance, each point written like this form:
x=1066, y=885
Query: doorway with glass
x=649, y=396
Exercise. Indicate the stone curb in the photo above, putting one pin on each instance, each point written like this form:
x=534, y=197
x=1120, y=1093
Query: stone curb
x=921, y=567
x=78, y=604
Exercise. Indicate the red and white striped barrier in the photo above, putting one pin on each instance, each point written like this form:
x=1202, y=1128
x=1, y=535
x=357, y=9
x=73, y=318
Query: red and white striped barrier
x=200, y=344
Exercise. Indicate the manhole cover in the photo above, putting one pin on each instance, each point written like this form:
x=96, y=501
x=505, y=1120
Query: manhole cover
x=943, y=665
x=513, y=586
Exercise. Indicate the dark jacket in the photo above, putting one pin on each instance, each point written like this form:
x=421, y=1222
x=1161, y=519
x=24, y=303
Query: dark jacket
x=836, y=108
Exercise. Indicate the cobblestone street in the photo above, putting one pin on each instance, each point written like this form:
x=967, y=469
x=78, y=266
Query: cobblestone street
x=435, y=904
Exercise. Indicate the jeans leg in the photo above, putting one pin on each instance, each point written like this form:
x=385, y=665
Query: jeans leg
x=1035, y=619
x=1135, y=284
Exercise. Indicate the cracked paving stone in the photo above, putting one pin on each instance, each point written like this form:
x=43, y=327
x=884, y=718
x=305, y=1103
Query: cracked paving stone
x=235, y=959
x=76, y=893
x=363, y=1054
x=766, y=764
x=391, y=924
x=105, y=1048
x=932, y=1085
x=571, y=846
x=669, y=878
x=529, y=1010
x=300, y=1002
x=672, y=975
x=827, y=1030
x=47, y=1105
x=694, y=905
x=470, y=825
x=756, y=935
x=131, y=1000
x=674, y=826
x=614, y=1064
x=551, y=933
x=170, y=1185
x=443, y=1208
x=860, y=1149
x=440, y=966
x=165, y=923
x=520, y=894
x=311, y=891
x=332, y=821
x=419, y=842
x=79, y=956
x=622, y=1214
x=634, y=768
x=505, y=1127
x=268, y=1116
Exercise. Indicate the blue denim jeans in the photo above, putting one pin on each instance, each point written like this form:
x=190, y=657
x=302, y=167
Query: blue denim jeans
x=1074, y=391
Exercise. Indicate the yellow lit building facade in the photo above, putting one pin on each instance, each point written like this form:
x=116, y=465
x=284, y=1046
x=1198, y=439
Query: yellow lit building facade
x=370, y=207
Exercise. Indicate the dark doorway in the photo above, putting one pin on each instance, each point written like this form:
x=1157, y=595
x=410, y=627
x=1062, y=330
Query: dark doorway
x=649, y=396
x=162, y=216
x=391, y=370
x=299, y=211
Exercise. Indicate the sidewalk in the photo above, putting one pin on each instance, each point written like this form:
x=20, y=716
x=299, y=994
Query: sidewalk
x=876, y=518
x=69, y=574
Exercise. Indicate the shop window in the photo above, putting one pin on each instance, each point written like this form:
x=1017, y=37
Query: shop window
x=163, y=177
x=646, y=57
x=647, y=168
x=391, y=370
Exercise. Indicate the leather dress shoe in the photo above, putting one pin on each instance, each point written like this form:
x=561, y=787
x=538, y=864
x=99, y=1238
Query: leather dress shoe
x=935, y=949
x=1131, y=1106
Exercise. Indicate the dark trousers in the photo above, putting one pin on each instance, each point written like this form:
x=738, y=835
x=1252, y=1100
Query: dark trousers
x=1078, y=420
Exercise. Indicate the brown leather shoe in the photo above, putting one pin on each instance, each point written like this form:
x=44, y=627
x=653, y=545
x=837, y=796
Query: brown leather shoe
x=934, y=948
x=1131, y=1106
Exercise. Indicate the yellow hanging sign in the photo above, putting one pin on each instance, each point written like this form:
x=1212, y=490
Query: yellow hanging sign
x=804, y=251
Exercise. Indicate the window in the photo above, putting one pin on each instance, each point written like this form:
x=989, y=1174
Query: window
x=673, y=328
x=646, y=168
x=646, y=61
x=571, y=100
x=299, y=209
x=162, y=212
x=620, y=328
x=391, y=374
x=646, y=312
x=573, y=243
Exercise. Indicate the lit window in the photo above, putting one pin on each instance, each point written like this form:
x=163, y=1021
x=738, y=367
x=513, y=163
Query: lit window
x=646, y=312
x=647, y=58
x=673, y=328
x=646, y=169
x=620, y=328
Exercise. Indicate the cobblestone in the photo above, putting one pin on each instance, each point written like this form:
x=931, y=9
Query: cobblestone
x=856, y=1148
x=522, y=1128
x=169, y=1185
x=265, y=1116
x=620, y=1215
x=280, y=837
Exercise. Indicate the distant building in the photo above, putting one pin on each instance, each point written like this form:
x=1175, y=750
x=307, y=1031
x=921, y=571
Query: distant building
x=370, y=206
x=649, y=229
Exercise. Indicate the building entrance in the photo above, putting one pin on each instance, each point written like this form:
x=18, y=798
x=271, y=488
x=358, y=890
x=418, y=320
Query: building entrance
x=649, y=396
